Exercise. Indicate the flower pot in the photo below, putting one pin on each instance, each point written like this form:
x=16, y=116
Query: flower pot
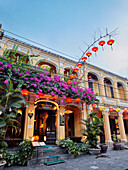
x=94, y=151
x=117, y=146
x=104, y=148
x=2, y=165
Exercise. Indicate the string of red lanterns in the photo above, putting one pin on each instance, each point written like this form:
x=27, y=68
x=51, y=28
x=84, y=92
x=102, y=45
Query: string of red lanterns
x=94, y=49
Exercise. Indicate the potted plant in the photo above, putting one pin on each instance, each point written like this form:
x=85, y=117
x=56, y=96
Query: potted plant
x=92, y=131
x=2, y=162
x=116, y=144
x=104, y=148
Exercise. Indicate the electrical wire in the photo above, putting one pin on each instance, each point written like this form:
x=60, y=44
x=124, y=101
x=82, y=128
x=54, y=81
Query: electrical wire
x=39, y=44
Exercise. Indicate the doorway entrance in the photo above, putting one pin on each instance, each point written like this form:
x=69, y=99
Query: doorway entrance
x=115, y=133
x=45, y=122
x=69, y=124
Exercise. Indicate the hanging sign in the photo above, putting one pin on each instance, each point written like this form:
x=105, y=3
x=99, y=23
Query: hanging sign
x=62, y=122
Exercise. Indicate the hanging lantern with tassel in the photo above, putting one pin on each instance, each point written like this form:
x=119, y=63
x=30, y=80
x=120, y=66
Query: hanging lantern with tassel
x=79, y=65
x=101, y=43
x=110, y=42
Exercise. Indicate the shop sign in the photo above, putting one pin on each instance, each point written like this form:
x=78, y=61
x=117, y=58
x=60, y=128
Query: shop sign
x=113, y=114
x=46, y=106
x=62, y=122
x=29, y=126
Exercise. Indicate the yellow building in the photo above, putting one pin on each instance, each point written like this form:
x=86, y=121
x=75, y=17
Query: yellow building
x=52, y=120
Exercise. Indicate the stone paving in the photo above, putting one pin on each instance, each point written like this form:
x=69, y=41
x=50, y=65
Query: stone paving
x=112, y=160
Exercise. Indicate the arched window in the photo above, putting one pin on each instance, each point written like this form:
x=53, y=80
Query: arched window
x=121, y=91
x=17, y=57
x=108, y=88
x=93, y=82
x=68, y=72
x=48, y=66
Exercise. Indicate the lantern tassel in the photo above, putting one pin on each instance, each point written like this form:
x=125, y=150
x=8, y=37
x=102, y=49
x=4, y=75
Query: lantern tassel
x=102, y=48
x=111, y=48
x=95, y=54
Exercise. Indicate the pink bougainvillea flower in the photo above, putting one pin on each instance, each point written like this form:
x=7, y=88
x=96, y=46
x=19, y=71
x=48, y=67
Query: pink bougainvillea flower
x=6, y=81
x=8, y=65
x=1, y=62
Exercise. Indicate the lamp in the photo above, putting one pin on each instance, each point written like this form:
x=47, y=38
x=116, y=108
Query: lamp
x=125, y=110
x=88, y=54
x=110, y=109
x=25, y=92
x=30, y=114
x=94, y=106
x=118, y=110
x=101, y=108
x=44, y=138
x=79, y=65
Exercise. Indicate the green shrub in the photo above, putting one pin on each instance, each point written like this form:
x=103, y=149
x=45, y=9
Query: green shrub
x=22, y=155
x=72, y=147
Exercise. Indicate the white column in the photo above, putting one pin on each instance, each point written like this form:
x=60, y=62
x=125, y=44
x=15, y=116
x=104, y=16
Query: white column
x=107, y=131
x=58, y=124
x=121, y=127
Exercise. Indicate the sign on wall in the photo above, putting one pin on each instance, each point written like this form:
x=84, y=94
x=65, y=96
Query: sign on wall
x=29, y=126
x=62, y=122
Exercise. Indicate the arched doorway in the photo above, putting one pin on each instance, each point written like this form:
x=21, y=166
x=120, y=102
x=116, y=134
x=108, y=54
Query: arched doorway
x=45, y=121
x=114, y=125
x=73, y=127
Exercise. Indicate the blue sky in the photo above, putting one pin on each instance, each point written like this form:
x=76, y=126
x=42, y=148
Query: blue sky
x=65, y=24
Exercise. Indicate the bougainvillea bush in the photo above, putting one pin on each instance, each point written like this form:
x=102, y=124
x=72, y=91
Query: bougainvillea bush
x=37, y=80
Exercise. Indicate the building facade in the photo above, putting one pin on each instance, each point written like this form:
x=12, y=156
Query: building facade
x=52, y=120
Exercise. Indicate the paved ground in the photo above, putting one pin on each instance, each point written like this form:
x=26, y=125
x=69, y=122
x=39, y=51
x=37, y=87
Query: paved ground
x=112, y=160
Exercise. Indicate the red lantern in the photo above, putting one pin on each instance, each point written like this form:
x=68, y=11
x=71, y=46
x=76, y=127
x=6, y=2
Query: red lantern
x=72, y=76
x=95, y=49
x=25, y=92
x=110, y=42
x=125, y=110
x=68, y=100
x=89, y=77
x=77, y=100
x=88, y=54
x=101, y=43
x=84, y=58
x=41, y=95
x=104, y=81
x=69, y=82
x=110, y=109
x=36, y=138
x=54, y=97
x=79, y=65
x=94, y=106
x=75, y=69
